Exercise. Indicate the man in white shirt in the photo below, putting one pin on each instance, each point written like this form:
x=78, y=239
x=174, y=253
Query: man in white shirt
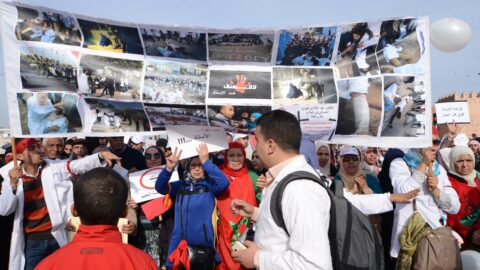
x=305, y=204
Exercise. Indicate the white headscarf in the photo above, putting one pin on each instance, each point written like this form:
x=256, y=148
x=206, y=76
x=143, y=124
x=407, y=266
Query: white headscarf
x=325, y=170
x=455, y=154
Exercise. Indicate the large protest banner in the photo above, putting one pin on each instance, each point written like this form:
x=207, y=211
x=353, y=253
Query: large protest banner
x=361, y=83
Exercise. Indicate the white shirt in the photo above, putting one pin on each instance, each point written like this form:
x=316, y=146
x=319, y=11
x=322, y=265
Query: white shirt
x=306, y=211
x=431, y=209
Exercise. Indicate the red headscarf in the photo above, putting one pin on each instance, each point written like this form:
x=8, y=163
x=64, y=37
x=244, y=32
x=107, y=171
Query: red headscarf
x=24, y=144
x=226, y=169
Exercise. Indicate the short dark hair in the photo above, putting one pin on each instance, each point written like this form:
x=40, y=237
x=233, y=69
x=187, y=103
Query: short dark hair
x=100, y=196
x=283, y=128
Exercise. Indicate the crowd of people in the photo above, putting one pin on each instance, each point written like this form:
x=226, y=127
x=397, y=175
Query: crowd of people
x=51, y=68
x=308, y=50
x=174, y=90
x=221, y=212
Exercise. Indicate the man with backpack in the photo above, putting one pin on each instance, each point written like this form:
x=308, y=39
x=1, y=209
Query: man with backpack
x=305, y=204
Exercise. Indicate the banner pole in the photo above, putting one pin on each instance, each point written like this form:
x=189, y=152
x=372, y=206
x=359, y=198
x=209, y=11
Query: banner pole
x=14, y=153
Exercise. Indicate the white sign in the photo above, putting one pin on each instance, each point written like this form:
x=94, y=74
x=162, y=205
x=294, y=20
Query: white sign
x=450, y=112
x=187, y=139
x=142, y=184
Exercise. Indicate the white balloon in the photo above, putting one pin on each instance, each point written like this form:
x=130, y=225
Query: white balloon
x=450, y=34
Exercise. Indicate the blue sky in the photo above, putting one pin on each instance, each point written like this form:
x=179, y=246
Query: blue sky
x=451, y=72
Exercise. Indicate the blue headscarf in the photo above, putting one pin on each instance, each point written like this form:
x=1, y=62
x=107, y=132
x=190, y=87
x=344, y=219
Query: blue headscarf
x=413, y=158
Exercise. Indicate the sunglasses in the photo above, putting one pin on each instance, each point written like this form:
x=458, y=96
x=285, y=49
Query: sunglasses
x=152, y=156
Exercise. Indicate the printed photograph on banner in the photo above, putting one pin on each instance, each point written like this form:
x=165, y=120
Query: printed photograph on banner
x=303, y=85
x=168, y=42
x=236, y=118
x=398, y=49
x=240, y=47
x=48, y=113
x=356, y=50
x=170, y=114
x=108, y=37
x=48, y=68
x=403, y=106
x=109, y=77
x=47, y=26
x=360, y=106
x=116, y=116
x=306, y=46
x=317, y=121
x=174, y=82
x=233, y=84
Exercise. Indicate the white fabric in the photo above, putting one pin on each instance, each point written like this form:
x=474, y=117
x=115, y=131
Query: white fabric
x=415, y=69
x=391, y=52
x=358, y=85
x=37, y=115
x=370, y=204
x=361, y=112
x=403, y=181
x=58, y=194
x=83, y=84
x=391, y=91
x=306, y=208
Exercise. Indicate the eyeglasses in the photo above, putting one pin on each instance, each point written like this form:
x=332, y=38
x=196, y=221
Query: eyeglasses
x=350, y=159
x=195, y=165
x=152, y=156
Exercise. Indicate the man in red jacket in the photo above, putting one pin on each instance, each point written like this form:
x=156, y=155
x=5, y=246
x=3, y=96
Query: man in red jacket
x=100, y=197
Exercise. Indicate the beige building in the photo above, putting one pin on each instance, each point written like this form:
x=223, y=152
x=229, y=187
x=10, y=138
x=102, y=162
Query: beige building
x=473, y=100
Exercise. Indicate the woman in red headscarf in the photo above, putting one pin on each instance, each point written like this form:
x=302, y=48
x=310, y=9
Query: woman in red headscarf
x=242, y=186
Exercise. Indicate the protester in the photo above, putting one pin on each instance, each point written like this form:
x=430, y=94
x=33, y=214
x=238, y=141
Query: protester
x=354, y=180
x=257, y=164
x=243, y=185
x=464, y=179
x=100, y=197
x=53, y=148
x=474, y=144
x=307, y=247
x=39, y=193
x=324, y=160
x=194, y=202
x=436, y=197
x=137, y=143
x=370, y=161
x=79, y=148
x=68, y=147
x=132, y=160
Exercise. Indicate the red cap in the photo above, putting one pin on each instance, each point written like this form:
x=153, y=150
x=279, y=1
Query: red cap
x=24, y=144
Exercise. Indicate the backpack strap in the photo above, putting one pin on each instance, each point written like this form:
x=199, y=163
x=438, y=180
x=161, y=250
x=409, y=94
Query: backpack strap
x=276, y=200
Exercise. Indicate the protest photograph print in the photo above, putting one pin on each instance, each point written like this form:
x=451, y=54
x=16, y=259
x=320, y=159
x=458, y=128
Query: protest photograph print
x=110, y=77
x=360, y=106
x=404, y=106
x=115, y=116
x=174, y=43
x=108, y=37
x=48, y=68
x=236, y=118
x=48, y=112
x=241, y=85
x=306, y=46
x=317, y=121
x=169, y=114
x=252, y=47
x=356, y=50
x=175, y=83
x=47, y=26
x=398, y=49
x=303, y=85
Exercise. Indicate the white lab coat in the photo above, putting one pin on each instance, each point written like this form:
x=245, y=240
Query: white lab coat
x=58, y=194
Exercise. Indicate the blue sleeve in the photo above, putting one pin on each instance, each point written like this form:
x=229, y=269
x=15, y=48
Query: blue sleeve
x=373, y=184
x=217, y=180
x=161, y=186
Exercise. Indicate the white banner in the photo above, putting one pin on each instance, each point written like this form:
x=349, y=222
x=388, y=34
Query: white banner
x=142, y=184
x=450, y=112
x=187, y=139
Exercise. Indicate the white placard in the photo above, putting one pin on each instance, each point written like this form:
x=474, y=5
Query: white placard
x=187, y=139
x=450, y=112
x=142, y=184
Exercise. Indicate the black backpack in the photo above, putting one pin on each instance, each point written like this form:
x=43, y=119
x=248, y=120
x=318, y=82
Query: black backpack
x=354, y=240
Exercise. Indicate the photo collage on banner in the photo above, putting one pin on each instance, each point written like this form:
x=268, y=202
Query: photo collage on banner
x=359, y=81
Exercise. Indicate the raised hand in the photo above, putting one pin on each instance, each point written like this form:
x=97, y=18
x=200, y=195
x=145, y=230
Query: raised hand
x=172, y=160
x=261, y=182
x=109, y=157
x=15, y=173
x=404, y=197
x=202, y=151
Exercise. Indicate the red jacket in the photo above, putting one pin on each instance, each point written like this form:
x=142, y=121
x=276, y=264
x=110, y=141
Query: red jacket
x=98, y=247
x=469, y=199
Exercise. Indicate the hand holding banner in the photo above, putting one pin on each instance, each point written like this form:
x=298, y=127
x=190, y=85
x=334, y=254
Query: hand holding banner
x=142, y=184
